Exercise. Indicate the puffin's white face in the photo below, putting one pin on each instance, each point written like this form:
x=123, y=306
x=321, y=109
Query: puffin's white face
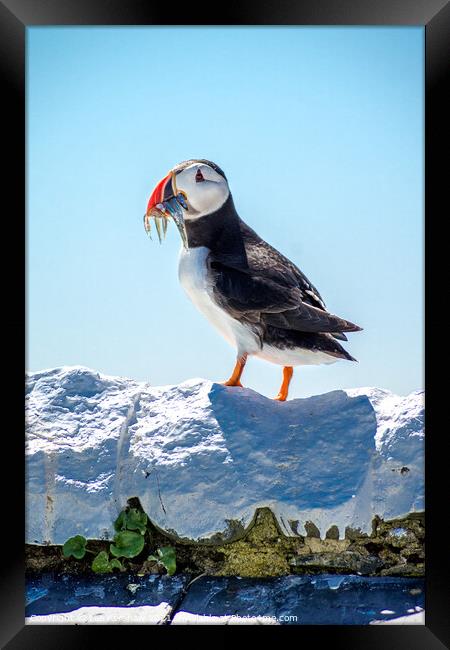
x=206, y=190
x=192, y=189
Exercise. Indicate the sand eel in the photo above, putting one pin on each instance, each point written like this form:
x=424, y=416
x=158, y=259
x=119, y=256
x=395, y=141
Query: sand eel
x=260, y=302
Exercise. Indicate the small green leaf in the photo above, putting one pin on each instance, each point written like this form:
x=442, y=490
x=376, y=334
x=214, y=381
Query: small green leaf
x=116, y=564
x=136, y=520
x=101, y=564
x=127, y=544
x=75, y=546
x=168, y=559
x=119, y=524
x=132, y=519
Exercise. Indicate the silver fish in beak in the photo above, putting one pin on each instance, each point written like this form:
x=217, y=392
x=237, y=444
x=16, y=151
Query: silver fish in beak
x=173, y=207
x=166, y=202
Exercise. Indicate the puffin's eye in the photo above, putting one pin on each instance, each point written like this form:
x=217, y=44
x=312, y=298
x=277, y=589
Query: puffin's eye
x=199, y=176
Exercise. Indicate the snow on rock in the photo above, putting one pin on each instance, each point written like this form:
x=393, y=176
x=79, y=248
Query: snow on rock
x=201, y=457
x=143, y=615
x=412, y=619
x=400, y=442
x=76, y=420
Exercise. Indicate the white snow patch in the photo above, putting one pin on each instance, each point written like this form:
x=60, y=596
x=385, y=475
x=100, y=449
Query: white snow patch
x=199, y=454
x=144, y=615
x=413, y=619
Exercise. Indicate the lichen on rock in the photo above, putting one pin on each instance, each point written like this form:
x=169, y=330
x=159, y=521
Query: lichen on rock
x=265, y=551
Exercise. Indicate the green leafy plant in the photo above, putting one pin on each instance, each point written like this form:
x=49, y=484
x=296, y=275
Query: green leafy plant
x=132, y=519
x=75, y=546
x=102, y=563
x=127, y=544
x=166, y=558
x=131, y=527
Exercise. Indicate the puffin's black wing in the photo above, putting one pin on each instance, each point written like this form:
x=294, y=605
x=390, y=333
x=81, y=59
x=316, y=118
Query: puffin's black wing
x=260, y=299
x=270, y=289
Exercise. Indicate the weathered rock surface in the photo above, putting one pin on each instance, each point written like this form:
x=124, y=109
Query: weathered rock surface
x=394, y=548
x=64, y=599
x=299, y=600
x=289, y=600
x=202, y=458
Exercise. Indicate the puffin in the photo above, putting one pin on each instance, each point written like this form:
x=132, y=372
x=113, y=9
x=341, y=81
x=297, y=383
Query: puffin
x=256, y=298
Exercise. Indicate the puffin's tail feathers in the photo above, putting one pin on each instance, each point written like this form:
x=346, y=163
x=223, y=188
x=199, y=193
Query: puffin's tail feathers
x=334, y=348
x=316, y=342
x=339, y=335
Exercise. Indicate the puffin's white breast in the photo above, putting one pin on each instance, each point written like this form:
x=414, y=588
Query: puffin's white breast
x=193, y=276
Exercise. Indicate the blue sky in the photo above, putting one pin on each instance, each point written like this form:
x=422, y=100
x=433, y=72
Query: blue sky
x=320, y=133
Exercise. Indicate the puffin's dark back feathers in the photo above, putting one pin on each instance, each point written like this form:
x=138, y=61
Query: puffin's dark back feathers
x=255, y=282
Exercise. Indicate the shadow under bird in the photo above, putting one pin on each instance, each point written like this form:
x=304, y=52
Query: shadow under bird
x=256, y=297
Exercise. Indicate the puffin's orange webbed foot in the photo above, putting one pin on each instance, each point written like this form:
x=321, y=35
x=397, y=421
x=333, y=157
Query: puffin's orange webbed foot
x=232, y=383
x=288, y=371
x=235, y=379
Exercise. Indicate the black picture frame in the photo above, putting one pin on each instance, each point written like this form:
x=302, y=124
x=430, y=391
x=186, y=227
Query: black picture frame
x=15, y=17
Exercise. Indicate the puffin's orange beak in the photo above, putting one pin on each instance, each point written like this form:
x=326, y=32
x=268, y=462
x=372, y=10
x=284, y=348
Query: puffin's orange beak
x=162, y=192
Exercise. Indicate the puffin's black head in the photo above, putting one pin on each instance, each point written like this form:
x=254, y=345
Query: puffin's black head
x=202, y=182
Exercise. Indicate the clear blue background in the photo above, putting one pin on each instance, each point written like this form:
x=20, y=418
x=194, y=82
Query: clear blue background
x=320, y=132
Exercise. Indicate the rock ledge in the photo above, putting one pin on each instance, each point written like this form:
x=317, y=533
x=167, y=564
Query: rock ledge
x=206, y=460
